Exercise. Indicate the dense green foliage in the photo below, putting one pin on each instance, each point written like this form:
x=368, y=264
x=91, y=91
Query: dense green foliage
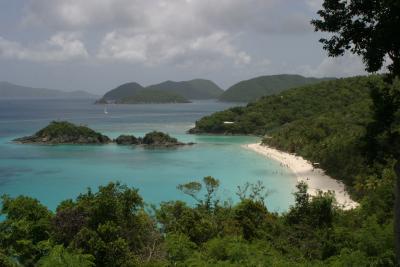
x=158, y=138
x=151, y=139
x=63, y=132
x=193, y=89
x=111, y=227
x=153, y=96
x=370, y=29
x=250, y=90
x=127, y=140
x=122, y=91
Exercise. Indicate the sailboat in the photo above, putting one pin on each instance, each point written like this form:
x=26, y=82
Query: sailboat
x=105, y=109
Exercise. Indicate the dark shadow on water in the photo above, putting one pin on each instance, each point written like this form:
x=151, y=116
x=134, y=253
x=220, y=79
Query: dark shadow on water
x=7, y=173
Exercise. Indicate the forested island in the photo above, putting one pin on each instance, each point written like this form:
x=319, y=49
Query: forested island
x=63, y=132
x=165, y=92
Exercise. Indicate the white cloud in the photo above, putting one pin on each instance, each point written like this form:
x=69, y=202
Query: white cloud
x=314, y=5
x=159, y=48
x=344, y=66
x=60, y=47
x=78, y=14
x=178, y=31
x=178, y=16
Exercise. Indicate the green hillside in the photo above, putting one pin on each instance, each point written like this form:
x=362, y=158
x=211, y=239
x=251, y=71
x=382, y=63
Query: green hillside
x=122, y=91
x=193, y=89
x=324, y=122
x=153, y=96
x=250, y=90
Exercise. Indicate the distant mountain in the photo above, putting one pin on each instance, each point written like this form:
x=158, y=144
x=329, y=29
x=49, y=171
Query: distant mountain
x=165, y=92
x=9, y=90
x=250, y=90
x=123, y=91
x=146, y=96
x=193, y=89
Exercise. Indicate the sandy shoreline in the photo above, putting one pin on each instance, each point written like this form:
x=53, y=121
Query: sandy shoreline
x=304, y=171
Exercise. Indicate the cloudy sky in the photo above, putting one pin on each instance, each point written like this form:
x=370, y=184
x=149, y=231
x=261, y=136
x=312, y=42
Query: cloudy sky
x=95, y=45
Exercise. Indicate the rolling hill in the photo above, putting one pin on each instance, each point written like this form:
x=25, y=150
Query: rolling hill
x=123, y=91
x=165, y=92
x=10, y=90
x=193, y=89
x=250, y=90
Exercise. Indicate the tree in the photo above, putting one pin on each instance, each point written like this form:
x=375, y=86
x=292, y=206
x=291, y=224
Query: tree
x=370, y=29
x=110, y=224
x=25, y=228
x=193, y=189
x=60, y=257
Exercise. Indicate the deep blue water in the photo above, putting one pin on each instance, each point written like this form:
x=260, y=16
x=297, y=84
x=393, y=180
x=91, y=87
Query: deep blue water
x=55, y=173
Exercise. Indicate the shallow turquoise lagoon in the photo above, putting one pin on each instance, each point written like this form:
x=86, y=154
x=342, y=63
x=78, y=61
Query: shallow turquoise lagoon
x=55, y=173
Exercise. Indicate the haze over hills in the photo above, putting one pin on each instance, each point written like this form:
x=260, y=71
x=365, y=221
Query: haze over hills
x=250, y=90
x=10, y=90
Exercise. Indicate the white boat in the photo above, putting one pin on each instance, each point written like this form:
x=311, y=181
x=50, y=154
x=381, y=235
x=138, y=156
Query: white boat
x=105, y=109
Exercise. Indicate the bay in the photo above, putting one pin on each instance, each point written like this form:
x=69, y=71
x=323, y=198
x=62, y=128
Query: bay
x=55, y=173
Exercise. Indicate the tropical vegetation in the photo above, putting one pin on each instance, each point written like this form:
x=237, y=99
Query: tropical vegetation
x=114, y=227
x=64, y=132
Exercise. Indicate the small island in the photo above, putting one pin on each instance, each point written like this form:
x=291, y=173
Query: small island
x=157, y=139
x=63, y=132
x=152, y=139
x=127, y=140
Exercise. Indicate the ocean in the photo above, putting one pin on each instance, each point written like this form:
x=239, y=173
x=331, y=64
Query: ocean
x=55, y=173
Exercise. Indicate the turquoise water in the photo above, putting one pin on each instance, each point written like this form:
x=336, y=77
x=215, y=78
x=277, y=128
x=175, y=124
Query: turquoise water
x=55, y=173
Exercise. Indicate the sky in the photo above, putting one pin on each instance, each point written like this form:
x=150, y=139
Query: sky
x=96, y=45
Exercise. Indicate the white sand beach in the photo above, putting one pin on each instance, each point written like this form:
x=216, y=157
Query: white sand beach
x=305, y=171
